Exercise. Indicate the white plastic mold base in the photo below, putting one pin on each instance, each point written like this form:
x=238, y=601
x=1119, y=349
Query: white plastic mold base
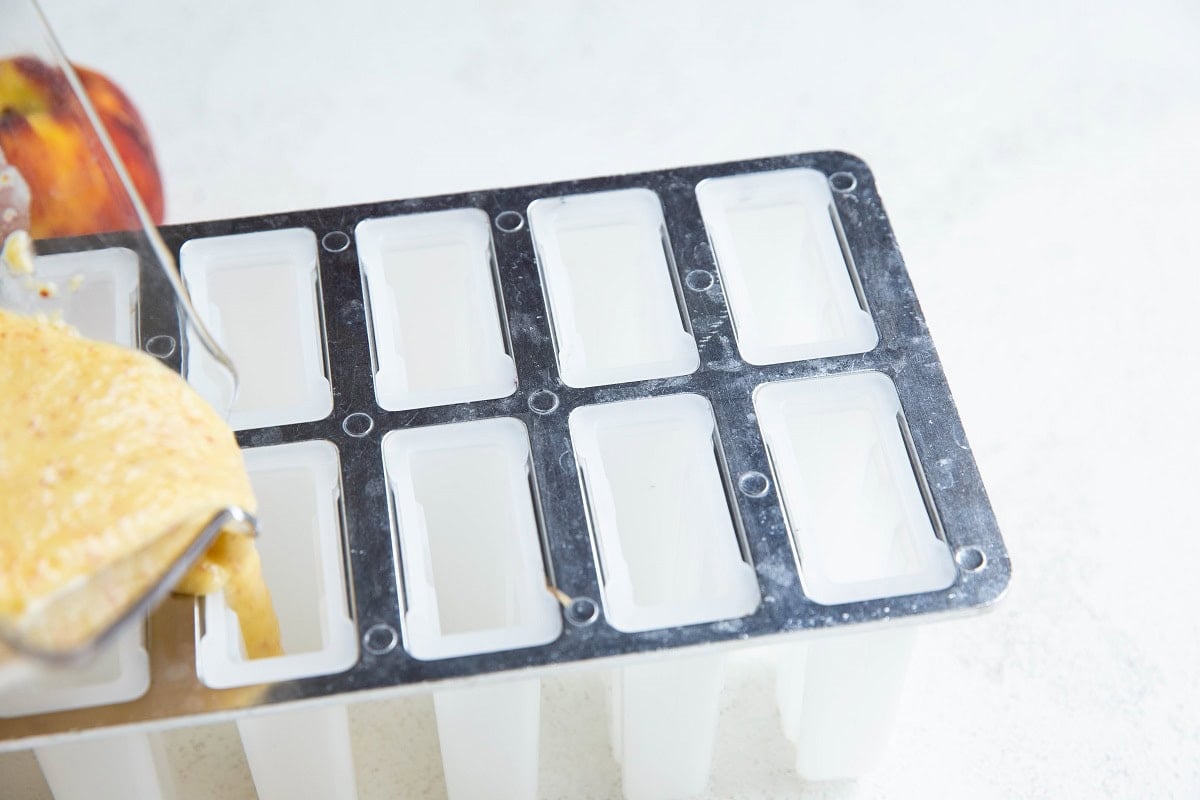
x=122, y=767
x=608, y=275
x=434, y=304
x=664, y=724
x=659, y=513
x=474, y=582
x=669, y=554
x=790, y=291
x=300, y=545
x=302, y=754
x=686, y=580
x=474, y=579
x=259, y=295
x=489, y=739
x=96, y=292
x=838, y=697
x=850, y=494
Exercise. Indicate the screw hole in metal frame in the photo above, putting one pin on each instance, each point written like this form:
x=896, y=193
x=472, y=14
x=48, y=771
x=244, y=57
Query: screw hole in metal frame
x=380, y=639
x=510, y=221
x=335, y=241
x=699, y=280
x=161, y=346
x=843, y=182
x=543, y=402
x=582, y=611
x=970, y=559
x=358, y=424
x=754, y=484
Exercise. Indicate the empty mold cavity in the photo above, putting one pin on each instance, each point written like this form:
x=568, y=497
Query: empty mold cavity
x=97, y=292
x=434, y=302
x=473, y=575
x=669, y=554
x=474, y=582
x=118, y=673
x=791, y=287
x=609, y=279
x=259, y=294
x=858, y=518
x=659, y=510
x=300, y=544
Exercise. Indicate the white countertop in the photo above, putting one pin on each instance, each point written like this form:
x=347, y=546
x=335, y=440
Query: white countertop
x=1040, y=165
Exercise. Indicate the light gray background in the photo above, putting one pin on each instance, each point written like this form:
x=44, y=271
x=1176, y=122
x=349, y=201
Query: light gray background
x=1039, y=162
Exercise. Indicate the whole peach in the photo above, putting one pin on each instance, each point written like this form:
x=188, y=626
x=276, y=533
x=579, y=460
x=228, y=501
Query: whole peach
x=46, y=137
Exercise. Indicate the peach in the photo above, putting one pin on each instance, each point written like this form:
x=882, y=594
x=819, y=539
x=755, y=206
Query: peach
x=46, y=138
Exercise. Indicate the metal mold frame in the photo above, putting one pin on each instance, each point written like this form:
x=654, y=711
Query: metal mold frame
x=905, y=353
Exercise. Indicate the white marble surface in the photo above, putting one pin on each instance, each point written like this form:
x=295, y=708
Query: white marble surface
x=1040, y=163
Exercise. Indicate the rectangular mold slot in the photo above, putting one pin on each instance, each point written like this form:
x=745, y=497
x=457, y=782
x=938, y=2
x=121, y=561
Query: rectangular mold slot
x=670, y=555
x=259, y=294
x=661, y=522
x=97, y=292
x=857, y=515
x=792, y=292
x=297, y=486
x=306, y=752
x=611, y=288
x=474, y=582
x=434, y=304
x=119, y=673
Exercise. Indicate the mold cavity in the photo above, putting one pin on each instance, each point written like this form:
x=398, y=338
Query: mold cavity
x=791, y=291
x=119, y=673
x=435, y=309
x=259, y=294
x=857, y=515
x=659, y=514
x=298, y=486
x=471, y=552
x=611, y=288
x=97, y=292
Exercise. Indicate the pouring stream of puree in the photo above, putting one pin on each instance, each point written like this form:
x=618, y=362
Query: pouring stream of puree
x=103, y=450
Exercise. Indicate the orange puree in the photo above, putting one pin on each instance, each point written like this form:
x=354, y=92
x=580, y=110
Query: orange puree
x=103, y=450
